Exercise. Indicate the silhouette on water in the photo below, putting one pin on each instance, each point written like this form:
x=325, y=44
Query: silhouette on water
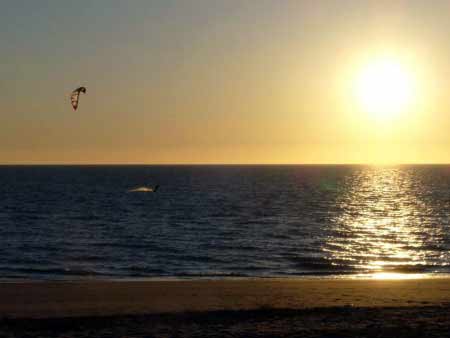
x=145, y=189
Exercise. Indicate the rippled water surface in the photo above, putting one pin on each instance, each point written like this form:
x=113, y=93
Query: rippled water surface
x=66, y=222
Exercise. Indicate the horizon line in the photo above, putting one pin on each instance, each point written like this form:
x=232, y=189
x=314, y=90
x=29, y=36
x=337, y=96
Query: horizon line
x=218, y=164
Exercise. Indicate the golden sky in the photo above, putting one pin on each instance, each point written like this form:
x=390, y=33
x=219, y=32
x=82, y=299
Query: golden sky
x=225, y=81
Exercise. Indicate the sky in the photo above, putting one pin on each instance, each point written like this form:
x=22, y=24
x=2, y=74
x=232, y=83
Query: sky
x=208, y=81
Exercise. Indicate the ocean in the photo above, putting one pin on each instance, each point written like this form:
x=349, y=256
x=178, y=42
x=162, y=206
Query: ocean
x=83, y=222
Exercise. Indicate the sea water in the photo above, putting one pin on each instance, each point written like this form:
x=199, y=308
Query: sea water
x=86, y=222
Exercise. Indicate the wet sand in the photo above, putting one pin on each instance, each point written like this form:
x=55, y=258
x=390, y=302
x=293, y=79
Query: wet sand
x=232, y=308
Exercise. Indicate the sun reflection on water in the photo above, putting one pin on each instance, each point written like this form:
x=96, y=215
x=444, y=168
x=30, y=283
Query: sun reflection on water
x=381, y=227
x=397, y=276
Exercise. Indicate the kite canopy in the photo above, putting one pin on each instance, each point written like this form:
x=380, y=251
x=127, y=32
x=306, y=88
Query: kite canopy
x=75, y=96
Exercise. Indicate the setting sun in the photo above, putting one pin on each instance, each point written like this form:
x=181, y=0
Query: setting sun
x=384, y=88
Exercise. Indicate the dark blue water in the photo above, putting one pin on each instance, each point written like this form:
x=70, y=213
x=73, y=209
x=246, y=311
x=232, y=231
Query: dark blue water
x=70, y=222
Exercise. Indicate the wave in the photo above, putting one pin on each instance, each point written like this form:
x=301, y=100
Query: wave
x=61, y=272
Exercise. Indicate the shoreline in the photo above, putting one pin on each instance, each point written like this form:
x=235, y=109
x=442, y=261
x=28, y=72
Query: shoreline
x=56, y=299
x=261, y=308
x=366, y=276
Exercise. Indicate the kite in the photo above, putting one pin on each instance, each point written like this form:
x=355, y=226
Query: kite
x=74, y=97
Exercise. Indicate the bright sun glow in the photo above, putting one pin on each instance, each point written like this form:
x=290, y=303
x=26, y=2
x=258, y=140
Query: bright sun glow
x=384, y=88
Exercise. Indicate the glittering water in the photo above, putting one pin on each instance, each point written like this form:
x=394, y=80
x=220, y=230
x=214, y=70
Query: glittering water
x=83, y=222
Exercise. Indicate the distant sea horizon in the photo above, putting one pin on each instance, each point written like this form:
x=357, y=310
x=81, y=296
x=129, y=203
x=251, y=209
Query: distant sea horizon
x=221, y=164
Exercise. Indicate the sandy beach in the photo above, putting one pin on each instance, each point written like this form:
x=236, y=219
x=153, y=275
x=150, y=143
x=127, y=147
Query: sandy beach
x=232, y=308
